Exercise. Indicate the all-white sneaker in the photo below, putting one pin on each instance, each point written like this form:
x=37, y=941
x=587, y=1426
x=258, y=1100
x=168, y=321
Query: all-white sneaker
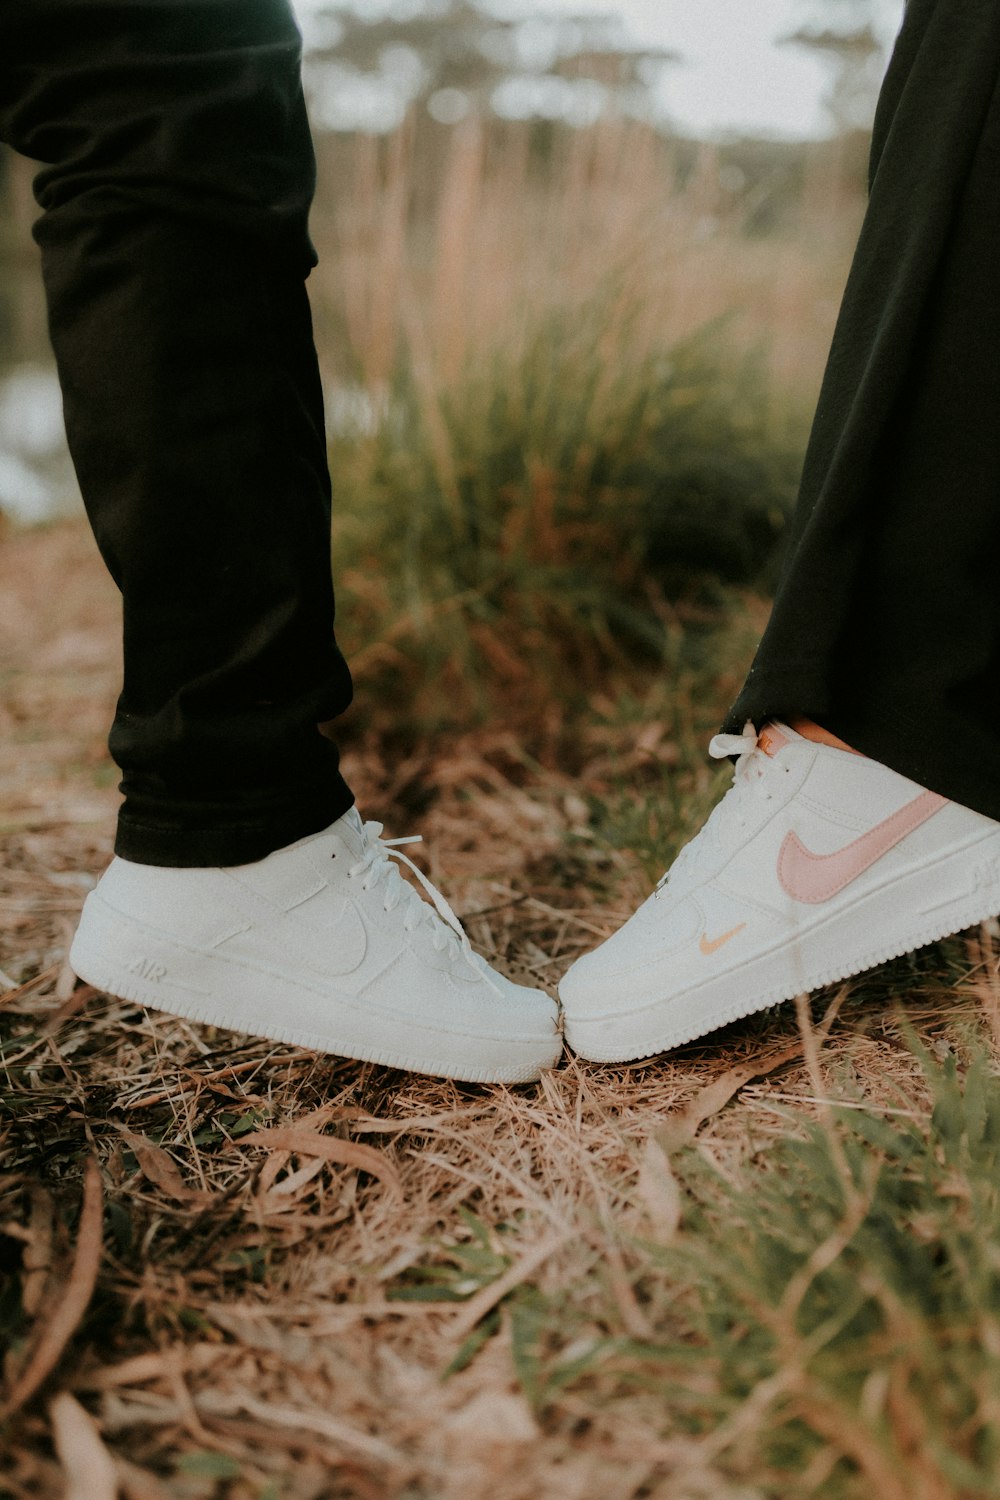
x=818, y=863
x=322, y=944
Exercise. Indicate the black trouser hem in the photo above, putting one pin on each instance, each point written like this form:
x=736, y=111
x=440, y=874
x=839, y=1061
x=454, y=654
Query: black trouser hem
x=243, y=843
x=895, y=733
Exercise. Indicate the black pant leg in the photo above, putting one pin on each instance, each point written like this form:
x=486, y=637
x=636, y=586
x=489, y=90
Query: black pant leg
x=886, y=625
x=175, y=249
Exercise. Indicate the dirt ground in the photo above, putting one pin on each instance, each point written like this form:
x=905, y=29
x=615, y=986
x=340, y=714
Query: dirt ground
x=233, y=1269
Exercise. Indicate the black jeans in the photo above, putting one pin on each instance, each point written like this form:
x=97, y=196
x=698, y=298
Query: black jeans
x=886, y=626
x=175, y=249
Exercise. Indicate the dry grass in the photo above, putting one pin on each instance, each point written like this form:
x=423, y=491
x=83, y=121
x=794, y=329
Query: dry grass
x=453, y=249
x=260, y=1325
x=240, y=1271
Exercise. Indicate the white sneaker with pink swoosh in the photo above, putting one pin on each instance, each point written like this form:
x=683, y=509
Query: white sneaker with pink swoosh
x=817, y=864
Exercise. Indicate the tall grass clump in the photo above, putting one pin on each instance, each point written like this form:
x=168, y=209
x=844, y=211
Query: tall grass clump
x=555, y=412
x=821, y=1322
x=843, y=1300
x=560, y=502
x=838, y=1331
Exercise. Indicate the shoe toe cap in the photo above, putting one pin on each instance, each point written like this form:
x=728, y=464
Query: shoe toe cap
x=641, y=955
x=531, y=1008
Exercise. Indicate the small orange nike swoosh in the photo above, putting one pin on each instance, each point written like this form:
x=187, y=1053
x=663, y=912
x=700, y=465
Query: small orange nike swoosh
x=712, y=945
x=819, y=877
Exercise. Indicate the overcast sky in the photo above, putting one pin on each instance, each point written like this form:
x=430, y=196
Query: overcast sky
x=734, y=76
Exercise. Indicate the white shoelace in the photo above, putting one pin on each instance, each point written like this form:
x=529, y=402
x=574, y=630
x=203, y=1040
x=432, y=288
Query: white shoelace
x=723, y=745
x=376, y=866
x=750, y=780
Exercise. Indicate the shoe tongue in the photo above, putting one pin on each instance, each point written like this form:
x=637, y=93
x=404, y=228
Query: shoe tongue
x=774, y=737
x=351, y=829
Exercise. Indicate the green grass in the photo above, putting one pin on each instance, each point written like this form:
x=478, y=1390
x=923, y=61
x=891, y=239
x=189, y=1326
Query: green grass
x=842, y=1298
x=823, y=1321
x=539, y=521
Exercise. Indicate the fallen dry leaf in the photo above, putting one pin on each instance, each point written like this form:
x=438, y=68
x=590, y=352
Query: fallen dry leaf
x=717, y=1094
x=161, y=1169
x=89, y=1468
x=271, y=1414
x=57, y=1332
x=311, y=1143
x=492, y=1421
x=136, y=1484
x=143, y=1368
x=658, y=1188
x=37, y=1259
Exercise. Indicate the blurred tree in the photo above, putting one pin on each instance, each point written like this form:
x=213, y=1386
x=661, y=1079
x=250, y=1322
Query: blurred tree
x=849, y=37
x=455, y=59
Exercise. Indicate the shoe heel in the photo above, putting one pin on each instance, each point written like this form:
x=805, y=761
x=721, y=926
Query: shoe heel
x=118, y=956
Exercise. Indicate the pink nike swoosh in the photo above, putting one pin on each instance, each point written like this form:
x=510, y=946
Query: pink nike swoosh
x=818, y=877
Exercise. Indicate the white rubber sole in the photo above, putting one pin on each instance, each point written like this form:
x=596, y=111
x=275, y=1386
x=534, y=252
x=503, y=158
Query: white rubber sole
x=918, y=907
x=122, y=957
